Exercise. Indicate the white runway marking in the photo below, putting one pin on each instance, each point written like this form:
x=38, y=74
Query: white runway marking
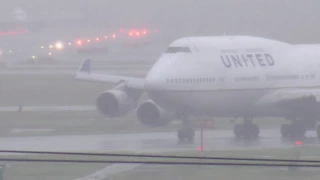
x=109, y=170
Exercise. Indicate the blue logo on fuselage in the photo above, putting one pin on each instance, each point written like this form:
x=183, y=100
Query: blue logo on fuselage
x=247, y=60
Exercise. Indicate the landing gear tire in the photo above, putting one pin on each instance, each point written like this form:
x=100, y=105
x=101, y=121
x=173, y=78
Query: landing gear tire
x=293, y=132
x=246, y=131
x=297, y=131
x=250, y=131
x=186, y=134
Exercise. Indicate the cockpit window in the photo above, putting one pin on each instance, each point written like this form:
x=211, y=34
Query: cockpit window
x=178, y=49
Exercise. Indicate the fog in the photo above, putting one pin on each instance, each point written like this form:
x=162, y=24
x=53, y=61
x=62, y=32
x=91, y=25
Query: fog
x=43, y=104
x=293, y=21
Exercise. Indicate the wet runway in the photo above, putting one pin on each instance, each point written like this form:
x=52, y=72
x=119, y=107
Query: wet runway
x=143, y=142
x=140, y=143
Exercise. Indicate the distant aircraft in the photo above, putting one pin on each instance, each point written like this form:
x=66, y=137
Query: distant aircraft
x=221, y=76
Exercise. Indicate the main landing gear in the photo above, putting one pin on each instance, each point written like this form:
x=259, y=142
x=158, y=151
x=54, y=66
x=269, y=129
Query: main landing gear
x=246, y=131
x=186, y=133
x=294, y=131
x=297, y=129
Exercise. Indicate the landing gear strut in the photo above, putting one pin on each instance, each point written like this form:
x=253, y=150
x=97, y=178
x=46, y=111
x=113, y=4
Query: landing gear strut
x=248, y=130
x=186, y=133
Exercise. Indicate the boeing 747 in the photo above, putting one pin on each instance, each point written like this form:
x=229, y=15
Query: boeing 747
x=227, y=76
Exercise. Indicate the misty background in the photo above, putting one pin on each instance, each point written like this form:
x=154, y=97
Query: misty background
x=293, y=21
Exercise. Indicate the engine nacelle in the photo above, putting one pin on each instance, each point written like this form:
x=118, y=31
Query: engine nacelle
x=115, y=103
x=151, y=114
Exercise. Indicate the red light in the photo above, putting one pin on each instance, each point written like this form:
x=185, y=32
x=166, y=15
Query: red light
x=156, y=30
x=130, y=33
x=144, y=32
x=114, y=36
x=88, y=40
x=138, y=33
x=121, y=30
x=298, y=143
x=79, y=42
x=97, y=39
x=200, y=149
x=106, y=37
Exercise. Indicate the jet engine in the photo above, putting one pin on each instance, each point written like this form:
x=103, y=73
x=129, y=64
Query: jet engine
x=151, y=114
x=115, y=103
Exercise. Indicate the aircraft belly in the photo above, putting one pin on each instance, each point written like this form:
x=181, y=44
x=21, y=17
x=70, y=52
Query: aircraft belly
x=211, y=103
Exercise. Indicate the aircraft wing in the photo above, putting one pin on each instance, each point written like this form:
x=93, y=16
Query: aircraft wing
x=297, y=97
x=84, y=73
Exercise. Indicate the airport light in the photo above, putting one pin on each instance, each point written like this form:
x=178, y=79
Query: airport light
x=49, y=53
x=50, y=46
x=88, y=40
x=42, y=47
x=59, y=45
x=69, y=43
x=114, y=36
x=298, y=143
x=97, y=39
x=79, y=42
x=33, y=57
x=106, y=37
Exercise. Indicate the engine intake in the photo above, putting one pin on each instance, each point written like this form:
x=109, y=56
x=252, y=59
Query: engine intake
x=151, y=114
x=115, y=103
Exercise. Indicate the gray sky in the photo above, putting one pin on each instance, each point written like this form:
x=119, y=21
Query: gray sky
x=293, y=21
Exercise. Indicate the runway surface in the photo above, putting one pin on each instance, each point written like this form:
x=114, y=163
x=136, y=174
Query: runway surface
x=141, y=142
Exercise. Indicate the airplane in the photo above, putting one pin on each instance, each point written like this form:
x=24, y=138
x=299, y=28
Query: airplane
x=221, y=76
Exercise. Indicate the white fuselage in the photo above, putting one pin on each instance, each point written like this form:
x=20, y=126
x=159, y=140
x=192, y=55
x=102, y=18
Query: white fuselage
x=227, y=76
